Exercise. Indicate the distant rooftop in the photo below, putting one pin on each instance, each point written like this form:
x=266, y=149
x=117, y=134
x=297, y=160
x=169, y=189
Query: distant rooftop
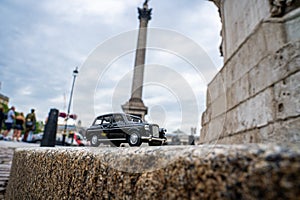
x=3, y=99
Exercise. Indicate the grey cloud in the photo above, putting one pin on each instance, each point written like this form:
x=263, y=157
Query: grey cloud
x=43, y=41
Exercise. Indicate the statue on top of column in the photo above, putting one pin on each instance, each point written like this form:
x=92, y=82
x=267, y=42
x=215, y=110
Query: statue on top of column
x=146, y=3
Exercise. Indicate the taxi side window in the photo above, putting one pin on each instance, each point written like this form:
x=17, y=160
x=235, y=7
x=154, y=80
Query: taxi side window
x=98, y=121
x=106, y=120
x=118, y=119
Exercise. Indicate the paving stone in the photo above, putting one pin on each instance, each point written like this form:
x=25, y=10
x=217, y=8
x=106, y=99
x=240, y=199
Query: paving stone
x=6, y=156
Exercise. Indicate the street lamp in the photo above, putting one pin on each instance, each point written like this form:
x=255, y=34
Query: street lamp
x=75, y=73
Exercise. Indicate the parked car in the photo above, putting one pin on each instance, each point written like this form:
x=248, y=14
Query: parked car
x=173, y=139
x=120, y=128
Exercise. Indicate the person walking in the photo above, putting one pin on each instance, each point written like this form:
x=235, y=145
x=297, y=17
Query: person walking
x=30, y=124
x=2, y=117
x=9, y=121
x=20, y=120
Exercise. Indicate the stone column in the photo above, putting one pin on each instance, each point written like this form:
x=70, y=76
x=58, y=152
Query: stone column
x=135, y=105
x=138, y=76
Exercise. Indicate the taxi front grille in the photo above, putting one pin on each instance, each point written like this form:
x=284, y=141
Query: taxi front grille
x=155, y=131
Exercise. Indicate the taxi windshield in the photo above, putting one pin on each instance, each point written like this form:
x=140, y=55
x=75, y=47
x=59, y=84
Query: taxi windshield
x=134, y=119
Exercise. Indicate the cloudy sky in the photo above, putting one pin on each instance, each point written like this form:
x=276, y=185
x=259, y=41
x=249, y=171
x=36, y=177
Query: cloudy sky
x=41, y=43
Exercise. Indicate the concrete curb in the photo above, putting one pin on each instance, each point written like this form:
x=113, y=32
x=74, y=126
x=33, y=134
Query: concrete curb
x=168, y=172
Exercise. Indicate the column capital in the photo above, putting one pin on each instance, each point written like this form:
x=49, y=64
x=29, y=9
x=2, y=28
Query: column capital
x=145, y=13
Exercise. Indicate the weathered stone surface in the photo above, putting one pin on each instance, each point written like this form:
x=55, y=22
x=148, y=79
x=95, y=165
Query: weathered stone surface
x=257, y=111
x=241, y=23
x=217, y=126
x=282, y=131
x=216, y=88
x=274, y=68
x=175, y=172
x=292, y=26
x=259, y=83
x=219, y=106
x=287, y=97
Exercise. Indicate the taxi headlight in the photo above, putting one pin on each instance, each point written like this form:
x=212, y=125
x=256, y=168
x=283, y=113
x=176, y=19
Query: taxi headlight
x=147, y=128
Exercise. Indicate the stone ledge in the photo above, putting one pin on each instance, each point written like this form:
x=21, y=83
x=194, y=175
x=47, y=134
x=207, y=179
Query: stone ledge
x=167, y=172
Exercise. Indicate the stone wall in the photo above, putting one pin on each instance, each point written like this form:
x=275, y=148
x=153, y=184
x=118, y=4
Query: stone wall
x=240, y=19
x=169, y=172
x=255, y=98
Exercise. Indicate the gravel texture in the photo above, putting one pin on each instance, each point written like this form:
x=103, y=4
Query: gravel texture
x=167, y=172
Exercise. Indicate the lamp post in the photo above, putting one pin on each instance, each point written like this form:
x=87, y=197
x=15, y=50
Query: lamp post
x=75, y=73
